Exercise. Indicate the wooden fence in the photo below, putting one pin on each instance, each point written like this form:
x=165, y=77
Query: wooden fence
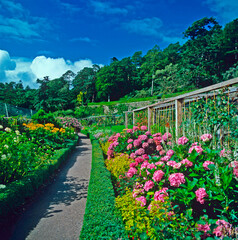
x=174, y=112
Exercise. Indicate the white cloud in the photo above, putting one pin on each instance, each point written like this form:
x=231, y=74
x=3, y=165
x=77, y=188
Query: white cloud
x=106, y=7
x=56, y=67
x=226, y=10
x=146, y=26
x=82, y=39
x=28, y=70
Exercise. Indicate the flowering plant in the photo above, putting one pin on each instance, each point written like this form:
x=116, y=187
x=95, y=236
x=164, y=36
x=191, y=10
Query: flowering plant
x=198, y=182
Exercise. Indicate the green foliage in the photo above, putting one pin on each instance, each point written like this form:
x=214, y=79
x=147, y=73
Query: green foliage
x=42, y=117
x=101, y=221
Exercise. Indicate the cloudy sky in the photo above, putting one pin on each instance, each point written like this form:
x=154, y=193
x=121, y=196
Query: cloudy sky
x=48, y=37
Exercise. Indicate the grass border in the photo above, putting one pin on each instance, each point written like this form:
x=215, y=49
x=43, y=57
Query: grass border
x=15, y=194
x=101, y=219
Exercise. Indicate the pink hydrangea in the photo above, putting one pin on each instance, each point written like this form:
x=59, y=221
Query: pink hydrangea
x=161, y=194
x=206, y=137
x=160, y=163
x=151, y=166
x=176, y=179
x=162, y=152
x=115, y=143
x=139, y=152
x=131, y=172
x=182, y=141
x=167, y=136
x=148, y=185
x=203, y=228
x=159, y=148
x=137, y=192
x=129, y=130
x=171, y=163
x=143, y=137
x=165, y=158
x=157, y=135
x=177, y=166
x=110, y=153
x=201, y=194
x=139, y=160
x=135, y=128
x=143, y=128
x=197, y=148
x=133, y=164
x=142, y=201
x=169, y=143
x=144, y=165
x=206, y=163
x=132, y=155
x=223, y=227
x=235, y=171
x=148, y=133
x=222, y=153
x=129, y=146
x=145, y=156
x=158, y=175
x=137, y=143
x=170, y=153
x=186, y=162
x=130, y=140
x=145, y=145
x=150, y=141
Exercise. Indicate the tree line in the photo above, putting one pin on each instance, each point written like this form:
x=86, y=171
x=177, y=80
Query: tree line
x=209, y=56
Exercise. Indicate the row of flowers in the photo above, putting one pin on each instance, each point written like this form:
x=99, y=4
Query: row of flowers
x=28, y=147
x=190, y=182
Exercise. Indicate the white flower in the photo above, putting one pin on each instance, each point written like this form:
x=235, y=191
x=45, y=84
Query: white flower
x=6, y=146
x=17, y=132
x=1, y=127
x=7, y=129
x=4, y=157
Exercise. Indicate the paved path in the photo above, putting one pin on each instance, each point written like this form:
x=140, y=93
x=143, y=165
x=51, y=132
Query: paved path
x=57, y=214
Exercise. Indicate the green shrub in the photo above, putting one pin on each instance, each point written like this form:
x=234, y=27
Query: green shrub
x=101, y=221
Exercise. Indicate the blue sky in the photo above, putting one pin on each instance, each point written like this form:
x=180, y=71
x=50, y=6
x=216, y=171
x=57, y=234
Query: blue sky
x=48, y=37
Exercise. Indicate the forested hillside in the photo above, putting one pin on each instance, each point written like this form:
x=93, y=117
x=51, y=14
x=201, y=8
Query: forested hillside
x=209, y=56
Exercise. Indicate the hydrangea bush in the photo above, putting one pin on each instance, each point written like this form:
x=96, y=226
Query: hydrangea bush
x=192, y=185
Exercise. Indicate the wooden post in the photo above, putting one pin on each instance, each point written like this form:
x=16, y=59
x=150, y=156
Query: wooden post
x=178, y=112
x=133, y=121
x=150, y=112
x=126, y=120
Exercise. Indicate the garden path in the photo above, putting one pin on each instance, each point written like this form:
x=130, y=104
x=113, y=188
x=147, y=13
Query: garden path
x=57, y=213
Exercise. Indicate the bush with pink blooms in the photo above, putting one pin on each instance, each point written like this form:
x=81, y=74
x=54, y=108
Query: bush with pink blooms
x=199, y=182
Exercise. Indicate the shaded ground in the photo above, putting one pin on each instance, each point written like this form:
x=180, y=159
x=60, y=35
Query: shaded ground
x=57, y=211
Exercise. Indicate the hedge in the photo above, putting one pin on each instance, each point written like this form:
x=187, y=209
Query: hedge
x=16, y=192
x=101, y=219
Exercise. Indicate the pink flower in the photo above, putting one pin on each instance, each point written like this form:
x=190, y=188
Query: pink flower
x=177, y=166
x=131, y=172
x=182, y=141
x=176, y=179
x=134, y=164
x=157, y=135
x=143, y=137
x=162, y=152
x=206, y=163
x=171, y=163
x=204, y=228
x=142, y=201
x=201, y=194
x=143, y=128
x=139, y=160
x=206, y=137
x=165, y=158
x=158, y=175
x=148, y=185
x=137, y=143
x=160, y=163
x=144, y=165
x=145, y=145
x=148, y=133
x=132, y=155
x=115, y=143
x=161, y=194
x=198, y=149
x=166, y=136
x=129, y=130
x=169, y=143
x=170, y=153
x=223, y=227
x=159, y=147
x=222, y=153
x=150, y=141
x=187, y=163
x=130, y=146
x=135, y=128
x=139, y=152
x=151, y=166
x=145, y=156
x=110, y=153
x=235, y=171
x=129, y=140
